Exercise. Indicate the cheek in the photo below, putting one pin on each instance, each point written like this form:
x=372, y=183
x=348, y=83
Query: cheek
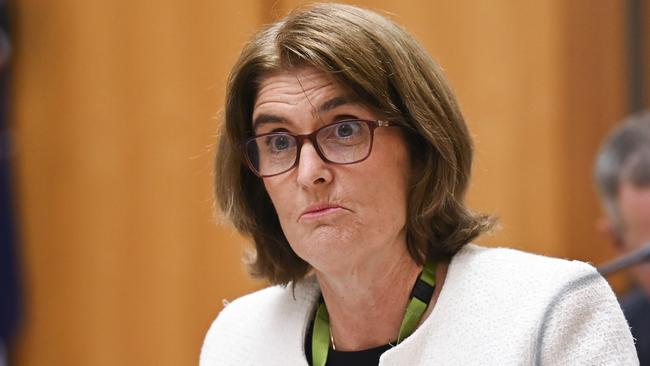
x=388, y=187
x=283, y=197
x=279, y=197
x=398, y=173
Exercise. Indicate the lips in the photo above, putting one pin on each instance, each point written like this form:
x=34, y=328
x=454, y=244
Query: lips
x=320, y=210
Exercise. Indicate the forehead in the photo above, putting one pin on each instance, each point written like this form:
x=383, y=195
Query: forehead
x=307, y=77
x=296, y=87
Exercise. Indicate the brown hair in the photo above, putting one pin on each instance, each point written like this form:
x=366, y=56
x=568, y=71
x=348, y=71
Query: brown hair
x=388, y=71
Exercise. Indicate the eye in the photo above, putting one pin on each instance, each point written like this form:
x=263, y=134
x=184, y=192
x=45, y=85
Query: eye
x=346, y=129
x=278, y=142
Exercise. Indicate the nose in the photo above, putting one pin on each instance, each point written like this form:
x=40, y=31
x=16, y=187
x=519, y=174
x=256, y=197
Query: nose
x=312, y=170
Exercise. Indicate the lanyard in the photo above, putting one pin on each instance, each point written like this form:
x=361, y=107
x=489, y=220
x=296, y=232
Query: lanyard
x=420, y=298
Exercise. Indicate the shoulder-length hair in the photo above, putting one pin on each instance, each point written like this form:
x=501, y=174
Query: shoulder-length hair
x=386, y=68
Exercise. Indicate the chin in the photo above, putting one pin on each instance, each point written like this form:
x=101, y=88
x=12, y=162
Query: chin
x=337, y=237
x=325, y=245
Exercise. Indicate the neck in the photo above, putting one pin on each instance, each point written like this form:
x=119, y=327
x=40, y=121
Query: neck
x=366, y=305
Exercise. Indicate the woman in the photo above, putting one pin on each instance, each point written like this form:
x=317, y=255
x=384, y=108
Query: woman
x=345, y=158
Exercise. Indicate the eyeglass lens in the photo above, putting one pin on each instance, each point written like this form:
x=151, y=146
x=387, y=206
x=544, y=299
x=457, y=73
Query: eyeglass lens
x=344, y=142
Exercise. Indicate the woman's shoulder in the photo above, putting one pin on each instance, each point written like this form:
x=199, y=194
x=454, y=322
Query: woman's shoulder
x=251, y=324
x=270, y=300
x=520, y=282
x=514, y=262
x=532, y=306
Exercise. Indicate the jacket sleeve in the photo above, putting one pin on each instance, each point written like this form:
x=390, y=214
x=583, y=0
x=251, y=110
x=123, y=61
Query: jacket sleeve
x=584, y=325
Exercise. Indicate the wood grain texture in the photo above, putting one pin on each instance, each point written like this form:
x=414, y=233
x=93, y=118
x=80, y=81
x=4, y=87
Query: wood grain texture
x=115, y=106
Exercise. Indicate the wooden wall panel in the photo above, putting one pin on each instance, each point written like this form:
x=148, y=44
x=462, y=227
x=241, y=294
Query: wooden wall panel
x=595, y=94
x=115, y=107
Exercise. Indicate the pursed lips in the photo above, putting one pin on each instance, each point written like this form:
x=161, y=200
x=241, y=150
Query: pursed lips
x=320, y=210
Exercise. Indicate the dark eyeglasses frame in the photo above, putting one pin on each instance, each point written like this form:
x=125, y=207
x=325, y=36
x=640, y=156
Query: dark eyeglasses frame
x=372, y=125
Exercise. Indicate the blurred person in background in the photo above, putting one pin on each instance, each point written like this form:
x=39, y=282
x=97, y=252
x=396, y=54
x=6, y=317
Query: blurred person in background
x=345, y=158
x=622, y=175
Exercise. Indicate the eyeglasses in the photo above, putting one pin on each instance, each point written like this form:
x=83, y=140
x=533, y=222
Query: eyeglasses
x=343, y=142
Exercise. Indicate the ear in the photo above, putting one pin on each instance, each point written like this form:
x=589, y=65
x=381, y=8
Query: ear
x=606, y=227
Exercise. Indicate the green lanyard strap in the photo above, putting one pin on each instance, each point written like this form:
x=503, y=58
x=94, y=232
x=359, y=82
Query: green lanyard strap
x=320, y=340
x=420, y=298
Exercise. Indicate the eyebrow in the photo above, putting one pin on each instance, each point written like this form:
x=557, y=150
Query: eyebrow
x=335, y=102
x=267, y=118
x=338, y=101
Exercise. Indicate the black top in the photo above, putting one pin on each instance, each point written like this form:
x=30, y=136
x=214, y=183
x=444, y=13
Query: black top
x=366, y=357
x=636, y=308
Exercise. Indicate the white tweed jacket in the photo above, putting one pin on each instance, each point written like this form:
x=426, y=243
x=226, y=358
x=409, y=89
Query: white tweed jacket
x=497, y=307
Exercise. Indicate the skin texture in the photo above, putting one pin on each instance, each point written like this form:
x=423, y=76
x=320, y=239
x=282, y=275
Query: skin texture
x=634, y=209
x=357, y=248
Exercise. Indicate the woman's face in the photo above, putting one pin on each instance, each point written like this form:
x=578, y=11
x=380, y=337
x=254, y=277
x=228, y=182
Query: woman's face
x=335, y=217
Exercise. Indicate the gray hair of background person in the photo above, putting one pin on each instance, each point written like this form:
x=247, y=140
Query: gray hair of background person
x=623, y=158
x=388, y=71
